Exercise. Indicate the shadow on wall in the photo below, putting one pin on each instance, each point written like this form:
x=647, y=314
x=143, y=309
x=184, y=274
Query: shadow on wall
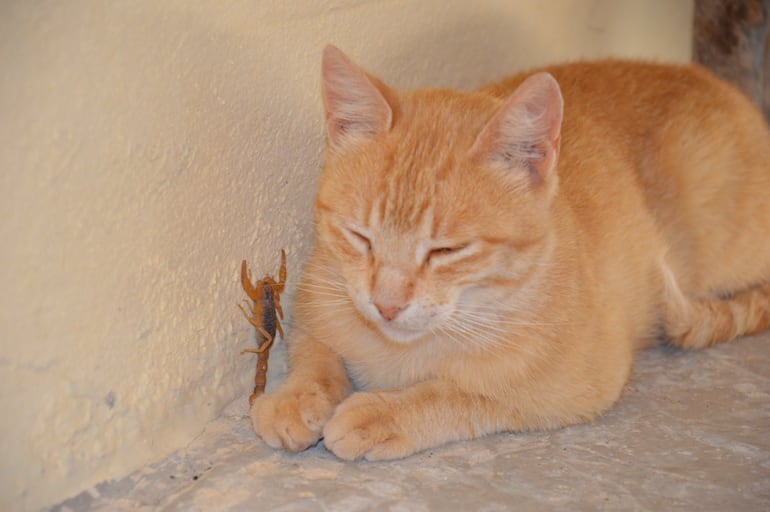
x=485, y=45
x=478, y=48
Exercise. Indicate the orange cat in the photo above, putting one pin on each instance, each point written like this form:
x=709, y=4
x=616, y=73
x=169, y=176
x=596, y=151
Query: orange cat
x=489, y=261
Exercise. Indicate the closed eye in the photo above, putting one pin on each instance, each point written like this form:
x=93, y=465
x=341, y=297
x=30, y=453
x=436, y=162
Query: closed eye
x=358, y=239
x=440, y=252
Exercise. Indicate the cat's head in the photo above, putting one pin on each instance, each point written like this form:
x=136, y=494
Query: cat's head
x=434, y=206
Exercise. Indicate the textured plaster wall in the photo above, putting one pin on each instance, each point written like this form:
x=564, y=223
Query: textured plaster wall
x=147, y=147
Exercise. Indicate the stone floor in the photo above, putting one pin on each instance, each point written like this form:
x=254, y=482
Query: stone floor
x=691, y=433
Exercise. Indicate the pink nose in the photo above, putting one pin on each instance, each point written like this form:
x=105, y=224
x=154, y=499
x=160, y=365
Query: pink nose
x=388, y=312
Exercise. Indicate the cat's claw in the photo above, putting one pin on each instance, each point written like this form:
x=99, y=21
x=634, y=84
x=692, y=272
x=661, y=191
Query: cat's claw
x=291, y=419
x=366, y=426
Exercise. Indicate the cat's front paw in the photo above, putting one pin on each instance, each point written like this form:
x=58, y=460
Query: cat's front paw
x=367, y=425
x=293, y=417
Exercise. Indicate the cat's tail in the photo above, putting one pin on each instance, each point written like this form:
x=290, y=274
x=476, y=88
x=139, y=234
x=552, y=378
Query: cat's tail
x=700, y=323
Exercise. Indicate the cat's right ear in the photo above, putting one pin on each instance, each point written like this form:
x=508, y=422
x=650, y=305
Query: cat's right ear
x=356, y=108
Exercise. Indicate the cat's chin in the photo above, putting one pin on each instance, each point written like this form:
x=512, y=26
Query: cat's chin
x=401, y=335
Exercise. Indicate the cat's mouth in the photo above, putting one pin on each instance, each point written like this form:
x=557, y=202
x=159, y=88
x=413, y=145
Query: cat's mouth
x=409, y=325
x=401, y=333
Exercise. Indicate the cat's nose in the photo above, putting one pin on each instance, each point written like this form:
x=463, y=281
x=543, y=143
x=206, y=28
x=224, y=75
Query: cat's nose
x=389, y=312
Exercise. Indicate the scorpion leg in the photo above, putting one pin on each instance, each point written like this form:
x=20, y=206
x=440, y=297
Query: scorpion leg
x=264, y=346
x=282, y=273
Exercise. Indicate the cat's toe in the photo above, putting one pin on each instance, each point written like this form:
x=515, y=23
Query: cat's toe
x=315, y=409
x=364, y=426
x=349, y=445
x=396, y=447
x=290, y=420
x=262, y=415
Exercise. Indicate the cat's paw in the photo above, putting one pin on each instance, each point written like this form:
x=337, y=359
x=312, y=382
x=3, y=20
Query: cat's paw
x=293, y=417
x=367, y=425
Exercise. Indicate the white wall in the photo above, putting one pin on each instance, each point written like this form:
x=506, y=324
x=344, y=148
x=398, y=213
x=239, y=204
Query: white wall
x=147, y=147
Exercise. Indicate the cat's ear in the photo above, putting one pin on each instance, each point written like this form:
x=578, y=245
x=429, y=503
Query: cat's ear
x=356, y=108
x=524, y=135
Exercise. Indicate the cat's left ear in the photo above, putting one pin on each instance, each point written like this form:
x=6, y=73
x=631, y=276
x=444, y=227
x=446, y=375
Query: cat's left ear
x=356, y=107
x=524, y=135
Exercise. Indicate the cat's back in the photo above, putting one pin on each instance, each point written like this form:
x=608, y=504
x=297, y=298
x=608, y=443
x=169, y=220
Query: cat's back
x=633, y=100
x=692, y=147
x=613, y=88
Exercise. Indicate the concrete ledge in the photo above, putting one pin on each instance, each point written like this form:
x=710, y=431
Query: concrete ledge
x=692, y=432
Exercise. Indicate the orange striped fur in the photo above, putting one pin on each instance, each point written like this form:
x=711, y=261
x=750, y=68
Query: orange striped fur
x=490, y=261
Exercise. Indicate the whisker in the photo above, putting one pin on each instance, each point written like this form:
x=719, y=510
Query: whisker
x=324, y=291
x=464, y=329
x=465, y=337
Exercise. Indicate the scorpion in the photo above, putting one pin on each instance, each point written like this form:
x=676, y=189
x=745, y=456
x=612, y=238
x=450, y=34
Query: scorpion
x=265, y=314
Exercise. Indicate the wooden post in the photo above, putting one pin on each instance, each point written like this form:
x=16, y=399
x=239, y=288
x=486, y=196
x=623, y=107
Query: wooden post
x=732, y=38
